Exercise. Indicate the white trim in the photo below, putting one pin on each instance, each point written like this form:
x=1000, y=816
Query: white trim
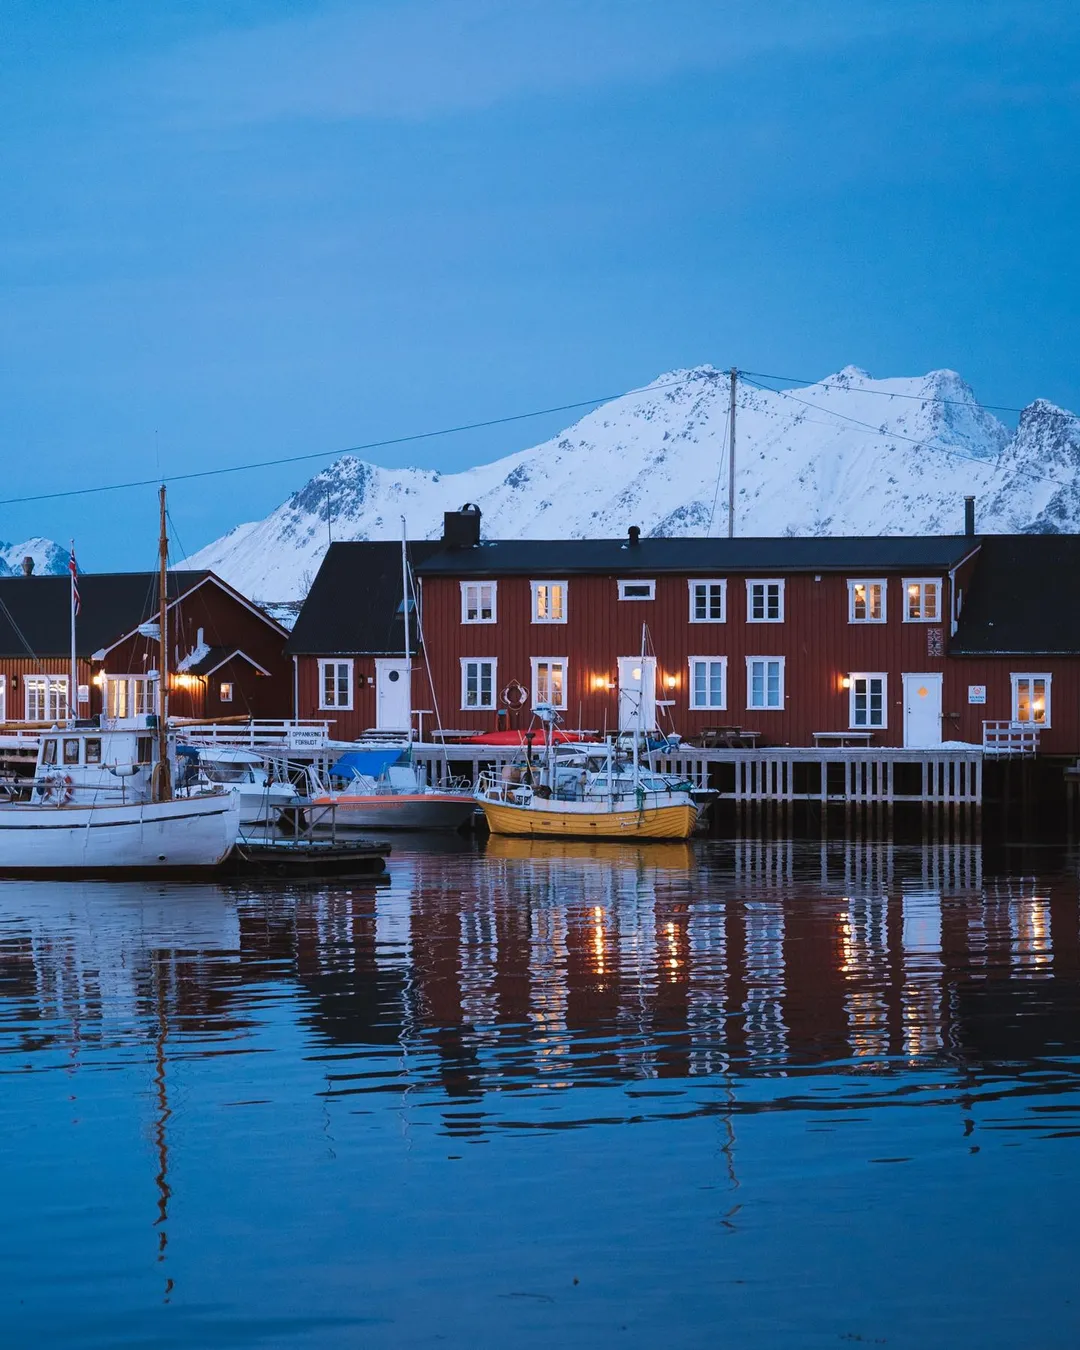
x=325, y=661
x=751, y=582
x=478, y=587
x=479, y=661
x=1015, y=677
x=550, y=661
x=922, y=583
x=564, y=596
x=637, y=581
x=722, y=661
x=868, y=582
x=764, y=707
x=232, y=657
x=3, y=698
x=51, y=682
x=868, y=675
x=222, y=686
x=708, y=581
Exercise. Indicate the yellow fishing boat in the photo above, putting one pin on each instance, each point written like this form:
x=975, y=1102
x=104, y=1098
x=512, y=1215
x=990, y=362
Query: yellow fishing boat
x=539, y=818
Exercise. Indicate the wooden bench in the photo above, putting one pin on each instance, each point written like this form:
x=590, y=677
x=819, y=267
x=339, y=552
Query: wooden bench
x=842, y=738
x=729, y=738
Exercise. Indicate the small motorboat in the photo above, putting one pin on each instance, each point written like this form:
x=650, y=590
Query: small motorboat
x=246, y=774
x=381, y=789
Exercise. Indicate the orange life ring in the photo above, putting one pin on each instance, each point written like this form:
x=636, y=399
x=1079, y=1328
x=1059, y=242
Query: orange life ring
x=58, y=789
x=515, y=695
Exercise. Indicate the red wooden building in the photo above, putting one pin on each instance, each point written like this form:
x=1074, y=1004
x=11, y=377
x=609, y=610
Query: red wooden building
x=226, y=656
x=900, y=641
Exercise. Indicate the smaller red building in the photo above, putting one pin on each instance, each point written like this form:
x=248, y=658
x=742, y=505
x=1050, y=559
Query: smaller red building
x=899, y=641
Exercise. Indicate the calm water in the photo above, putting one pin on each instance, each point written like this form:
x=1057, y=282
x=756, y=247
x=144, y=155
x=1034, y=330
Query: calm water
x=739, y=1095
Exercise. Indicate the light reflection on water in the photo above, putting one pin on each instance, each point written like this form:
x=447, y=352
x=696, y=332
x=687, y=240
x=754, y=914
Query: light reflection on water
x=550, y=1093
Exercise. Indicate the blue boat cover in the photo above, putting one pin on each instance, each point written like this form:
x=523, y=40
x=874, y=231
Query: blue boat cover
x=371, y=763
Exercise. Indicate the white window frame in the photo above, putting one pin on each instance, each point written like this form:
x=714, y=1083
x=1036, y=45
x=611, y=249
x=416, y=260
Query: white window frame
x=139, y=698
x=335, y=706
x=853, y=691
x=467, y=605
x=1016, y=677
x=922, y=583
x=54, y=712
x=693, y=584
x=3, y=698
x=467, y=661
x=722, y=661
x=230, y=685
x=534, y=600
x=751, y=582
x=549, y=661
x=764, y=707
x=868, y=582
x=637, y=581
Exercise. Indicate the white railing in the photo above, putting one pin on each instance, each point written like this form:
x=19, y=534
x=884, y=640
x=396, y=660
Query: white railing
x=1010, y=738
x=291, y=734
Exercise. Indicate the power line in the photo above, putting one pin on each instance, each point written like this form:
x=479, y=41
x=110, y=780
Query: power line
x=880, y=393
x=348, y=450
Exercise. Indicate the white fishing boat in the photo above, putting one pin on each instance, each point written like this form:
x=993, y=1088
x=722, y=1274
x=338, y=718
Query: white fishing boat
x=243, y=773
x=101, y=800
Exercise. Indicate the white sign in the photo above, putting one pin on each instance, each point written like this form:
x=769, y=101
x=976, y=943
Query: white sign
x=976, y=693
x=306, y=738
x=83, y=693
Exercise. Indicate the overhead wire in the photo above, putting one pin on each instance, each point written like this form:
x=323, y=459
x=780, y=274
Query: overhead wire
x=878, y=393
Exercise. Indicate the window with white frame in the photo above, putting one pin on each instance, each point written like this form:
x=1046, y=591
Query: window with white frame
x=129, y=695
x=3, y=698
x=335, y=685
x=477, y=682
x=225, y=691
x=866, y=601
x=478, y=601
x=637, y=590
x=922, y=599
x=708, y=601
x=708, y=682
x=548, y=601
x=46, y=697
x=764, y=682
x=765, y=602
x=1031, y=700
x=867, y=707
x=549, y=680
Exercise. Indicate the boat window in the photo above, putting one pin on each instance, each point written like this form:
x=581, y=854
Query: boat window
x=229, y=773
x=48, y=752
x=144, y=749
x=71, y=750
x=93, y=750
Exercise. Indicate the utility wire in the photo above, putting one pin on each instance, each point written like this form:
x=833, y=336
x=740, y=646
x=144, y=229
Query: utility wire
x=880, y=393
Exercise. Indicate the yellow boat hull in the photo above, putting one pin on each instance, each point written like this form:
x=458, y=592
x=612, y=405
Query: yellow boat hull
x=547, y=821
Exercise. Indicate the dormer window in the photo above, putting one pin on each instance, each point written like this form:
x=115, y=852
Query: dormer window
x=637, y=590
x=478, y=601
x=765, y=602
x=922, y=599
x=866, y=601
x=548, y=601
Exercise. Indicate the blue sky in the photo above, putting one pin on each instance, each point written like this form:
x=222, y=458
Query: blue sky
x=233, y=230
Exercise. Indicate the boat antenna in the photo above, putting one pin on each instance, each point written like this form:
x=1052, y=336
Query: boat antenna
x=162, y=778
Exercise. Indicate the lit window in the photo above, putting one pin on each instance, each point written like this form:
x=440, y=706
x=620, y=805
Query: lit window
x=129, y=695
x=866, y=601
x=708, y=601
x=764, y=682
x=765, y=602
x=335, y=685
x=549, y=680
x=922, y=599
x=548, y=601
x=867, y=701
x=637, y=590
x=1031, y=699
x=478, y=601
x=225, y=693
x=477, y=682
x=708, y=682
x=46, y=698
x=3, y=698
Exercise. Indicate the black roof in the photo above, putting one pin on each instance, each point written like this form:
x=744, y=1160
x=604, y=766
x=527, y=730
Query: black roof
x=1024, y=598
x=35, y=611
x=617, y=557
x=354, y=604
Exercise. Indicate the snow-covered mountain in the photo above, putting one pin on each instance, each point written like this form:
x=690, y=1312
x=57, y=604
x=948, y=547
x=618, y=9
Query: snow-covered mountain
x=49, y=558
x=848, y=455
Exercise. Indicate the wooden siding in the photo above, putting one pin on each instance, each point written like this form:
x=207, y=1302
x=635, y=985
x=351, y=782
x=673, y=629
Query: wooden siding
x=16, y=669
x=346, y=724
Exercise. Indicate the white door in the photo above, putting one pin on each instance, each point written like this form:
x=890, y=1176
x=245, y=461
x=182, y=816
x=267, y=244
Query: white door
x=637, y=688
x=393, y=701
x=922, y=711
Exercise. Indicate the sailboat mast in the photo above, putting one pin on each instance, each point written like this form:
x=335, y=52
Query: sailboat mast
x=405, y=624
x=164, y=785
x=73, y=690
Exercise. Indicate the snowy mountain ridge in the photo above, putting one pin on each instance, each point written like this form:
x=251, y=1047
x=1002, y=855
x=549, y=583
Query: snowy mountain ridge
x=846, y=455
x=49, y=558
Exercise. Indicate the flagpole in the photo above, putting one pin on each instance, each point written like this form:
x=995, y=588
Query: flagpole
x=73, y=695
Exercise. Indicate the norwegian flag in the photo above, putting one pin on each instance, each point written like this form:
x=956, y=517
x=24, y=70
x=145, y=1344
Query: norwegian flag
x=74, y=570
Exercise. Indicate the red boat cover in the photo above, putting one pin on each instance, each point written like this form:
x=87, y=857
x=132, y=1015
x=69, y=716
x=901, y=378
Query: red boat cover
x=518, y=737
